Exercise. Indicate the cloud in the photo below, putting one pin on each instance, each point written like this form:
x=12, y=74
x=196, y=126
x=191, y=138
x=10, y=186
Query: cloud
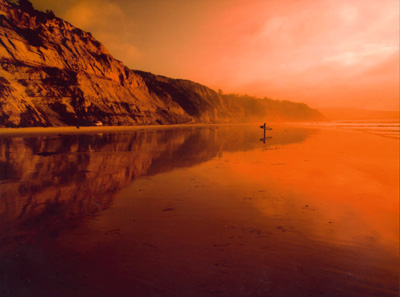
x=362, y=55
x=109, y=24
x=310, y=51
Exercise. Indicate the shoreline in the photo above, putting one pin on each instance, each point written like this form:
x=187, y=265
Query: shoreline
x=32, y=131
x=94, y=129
x=91, y=129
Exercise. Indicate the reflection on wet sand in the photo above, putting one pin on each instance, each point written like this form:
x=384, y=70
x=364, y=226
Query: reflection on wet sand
x=199, y=212
x=49, y=180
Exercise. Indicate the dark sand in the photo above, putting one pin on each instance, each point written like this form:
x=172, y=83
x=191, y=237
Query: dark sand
x=200, y=211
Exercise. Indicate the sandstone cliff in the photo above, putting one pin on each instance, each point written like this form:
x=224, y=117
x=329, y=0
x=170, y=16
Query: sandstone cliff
x=53, y=74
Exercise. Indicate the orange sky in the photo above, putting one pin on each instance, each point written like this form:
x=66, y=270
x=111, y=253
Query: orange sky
x=321, y=52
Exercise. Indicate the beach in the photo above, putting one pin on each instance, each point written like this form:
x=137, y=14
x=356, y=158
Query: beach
x=200, y=211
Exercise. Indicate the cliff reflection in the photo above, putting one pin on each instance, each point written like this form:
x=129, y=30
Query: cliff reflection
x=49, y=183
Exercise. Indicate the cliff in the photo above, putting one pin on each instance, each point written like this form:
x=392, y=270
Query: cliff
x=53, y=74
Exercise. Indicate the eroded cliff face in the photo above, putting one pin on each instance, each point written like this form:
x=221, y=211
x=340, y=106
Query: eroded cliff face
x=53, y=74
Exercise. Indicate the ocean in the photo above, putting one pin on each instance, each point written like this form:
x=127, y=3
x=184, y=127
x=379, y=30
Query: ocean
x=386, y=128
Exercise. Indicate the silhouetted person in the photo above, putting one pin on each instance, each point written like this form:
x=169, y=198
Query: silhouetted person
x=265, y=128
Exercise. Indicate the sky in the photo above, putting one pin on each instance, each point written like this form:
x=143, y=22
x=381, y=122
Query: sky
x=326, y=53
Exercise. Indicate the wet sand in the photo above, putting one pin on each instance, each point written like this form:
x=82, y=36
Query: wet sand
x=201, y=211
x=31, y=131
